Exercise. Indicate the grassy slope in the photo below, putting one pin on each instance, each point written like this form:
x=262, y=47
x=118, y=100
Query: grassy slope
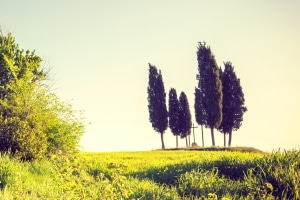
x=154, y=175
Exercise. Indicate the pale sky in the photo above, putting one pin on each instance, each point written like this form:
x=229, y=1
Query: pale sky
x=99, y=53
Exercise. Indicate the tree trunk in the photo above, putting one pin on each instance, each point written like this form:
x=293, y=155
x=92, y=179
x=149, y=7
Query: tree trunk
x=230, y=136
x=202, y=135
x=176, y=141
x=162, y=140
x=186, y=141
x=194, y=135
x=212, y=136
x=224, y=139
x=189, y=140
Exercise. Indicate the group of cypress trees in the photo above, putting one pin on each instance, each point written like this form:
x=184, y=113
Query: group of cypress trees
x=180, y=119
x=179, y=113
x=219, y=100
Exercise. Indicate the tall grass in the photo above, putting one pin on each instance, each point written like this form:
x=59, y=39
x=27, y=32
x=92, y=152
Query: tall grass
x=154, y=175
x=282, y=171
x=9, y=168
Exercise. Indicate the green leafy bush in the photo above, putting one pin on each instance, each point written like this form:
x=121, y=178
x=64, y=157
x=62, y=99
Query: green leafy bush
x=33, y=121
x=22, y=140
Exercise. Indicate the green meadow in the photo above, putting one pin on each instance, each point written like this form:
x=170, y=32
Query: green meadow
x=169, y=174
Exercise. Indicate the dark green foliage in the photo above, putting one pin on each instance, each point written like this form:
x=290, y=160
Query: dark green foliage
x=179, y=115
x=233, y=107
x=174, y=113
x=209, y=93
x=185, y=120
x=23, y=138
x=157, y=102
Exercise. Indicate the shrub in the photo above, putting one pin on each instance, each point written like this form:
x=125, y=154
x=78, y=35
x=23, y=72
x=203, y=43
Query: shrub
x=23, y=141
x=33, y=122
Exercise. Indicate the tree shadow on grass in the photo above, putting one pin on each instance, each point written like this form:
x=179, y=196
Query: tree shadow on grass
x=169, y=174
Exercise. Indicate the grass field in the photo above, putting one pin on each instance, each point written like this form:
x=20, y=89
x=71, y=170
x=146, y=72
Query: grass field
x=171, y=174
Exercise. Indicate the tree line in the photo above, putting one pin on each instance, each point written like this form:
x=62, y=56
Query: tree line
x=34, y=122
x=219, y=100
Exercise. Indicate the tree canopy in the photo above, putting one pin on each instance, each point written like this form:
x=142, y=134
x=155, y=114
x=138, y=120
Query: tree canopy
x=174, y=113
x=209, y=94
x=233, y=107
x=157, y=102
x=185, y=119
x=219, y=100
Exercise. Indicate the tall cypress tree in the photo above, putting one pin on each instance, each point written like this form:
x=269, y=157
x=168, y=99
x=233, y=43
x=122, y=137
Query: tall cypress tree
x=210, y=87
x=185, y=120
x=199, y=111
x=233, y=107
x=174, y=114
x=157, y=102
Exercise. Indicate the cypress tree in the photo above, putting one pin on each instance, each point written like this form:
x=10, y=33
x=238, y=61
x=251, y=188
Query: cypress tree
x=210, y=87
x=157, y=102
x=174, y=114
x=185, y=120
x=233, y=107
x=199, y=111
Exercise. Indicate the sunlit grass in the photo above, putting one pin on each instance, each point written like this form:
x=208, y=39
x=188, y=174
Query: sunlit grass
x=172, y=174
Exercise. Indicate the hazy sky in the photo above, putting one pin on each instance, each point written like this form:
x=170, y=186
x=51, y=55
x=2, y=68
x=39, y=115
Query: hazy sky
x=99, y=53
